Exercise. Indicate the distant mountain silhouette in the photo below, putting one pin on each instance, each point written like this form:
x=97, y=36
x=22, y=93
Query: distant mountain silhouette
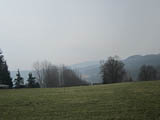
x=137, y=61
x=90, y=70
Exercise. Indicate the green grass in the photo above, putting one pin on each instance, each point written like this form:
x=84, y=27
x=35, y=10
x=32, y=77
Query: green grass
x=124, y=101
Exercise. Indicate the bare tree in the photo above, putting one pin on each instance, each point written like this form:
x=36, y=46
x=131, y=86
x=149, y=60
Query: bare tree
x=147, y=72
x=127, y=77
x=39, y=73
x=49, y=75
x=158, y=72
x=72, y=78
x=112, y=70
x=42, y=70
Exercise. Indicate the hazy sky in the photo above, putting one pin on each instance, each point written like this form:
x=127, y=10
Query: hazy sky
x=73, y=31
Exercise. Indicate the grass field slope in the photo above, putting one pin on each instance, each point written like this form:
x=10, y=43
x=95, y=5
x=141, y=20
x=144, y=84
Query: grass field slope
x=124, y=101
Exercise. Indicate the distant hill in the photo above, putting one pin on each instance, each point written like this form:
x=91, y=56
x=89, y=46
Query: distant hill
x=136, y=61
x=133, y=63
x=90, y=70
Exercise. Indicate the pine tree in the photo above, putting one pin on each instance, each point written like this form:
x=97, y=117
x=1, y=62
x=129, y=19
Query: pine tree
x=4, y=72
x=31, y=81
x=1, y=68
x=19, y=82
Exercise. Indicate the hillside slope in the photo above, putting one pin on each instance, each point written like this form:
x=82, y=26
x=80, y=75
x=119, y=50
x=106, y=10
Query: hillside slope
x=124, y=101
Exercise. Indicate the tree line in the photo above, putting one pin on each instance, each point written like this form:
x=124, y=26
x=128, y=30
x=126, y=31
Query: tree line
x=31, y=81
x=113, y=71
x=48, y=75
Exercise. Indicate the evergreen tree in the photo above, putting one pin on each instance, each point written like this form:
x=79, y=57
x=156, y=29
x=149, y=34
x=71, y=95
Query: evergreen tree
x=32, y=82
x=7, y=78
x=1, y=68
x=4, y=72
x=19, y=82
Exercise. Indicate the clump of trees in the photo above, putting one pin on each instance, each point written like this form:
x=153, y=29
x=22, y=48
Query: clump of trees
x=31, y=81
x=112, y=70
x=46, y=74
x=70, y=77
x=147, y=73
x=49, y=75
x=158, y=72
x=5, y=77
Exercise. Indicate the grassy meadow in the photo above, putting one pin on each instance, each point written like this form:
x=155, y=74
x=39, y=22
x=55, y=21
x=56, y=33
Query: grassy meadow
x=122, y=101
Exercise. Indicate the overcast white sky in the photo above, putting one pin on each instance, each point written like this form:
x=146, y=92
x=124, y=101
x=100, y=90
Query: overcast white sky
x=73, y=31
